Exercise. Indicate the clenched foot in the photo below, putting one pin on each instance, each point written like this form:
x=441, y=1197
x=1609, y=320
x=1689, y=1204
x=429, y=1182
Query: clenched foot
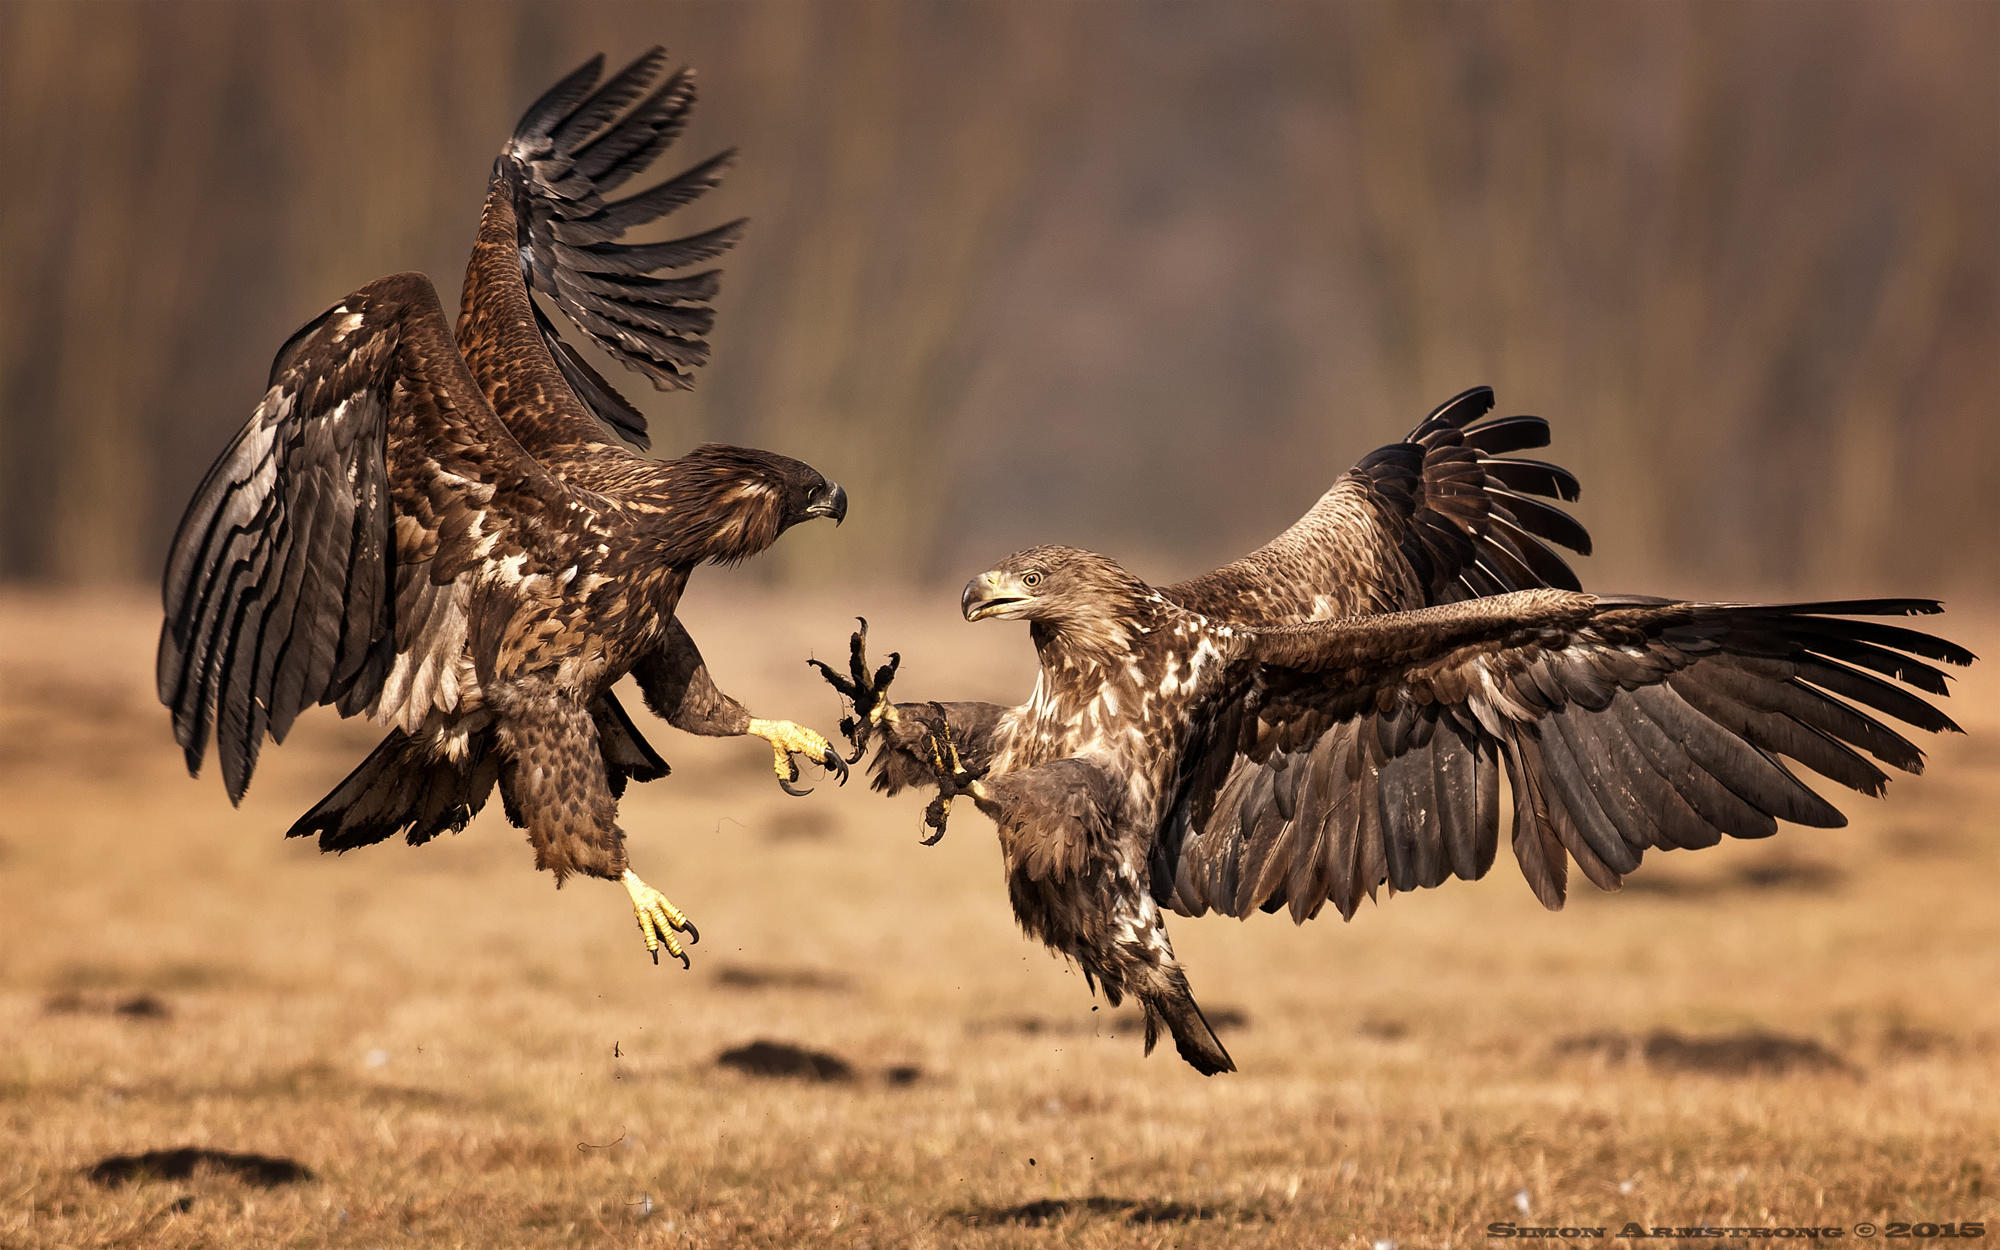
x=869, y=693
x=788, y=739
x=659, y=920
x=953, y=777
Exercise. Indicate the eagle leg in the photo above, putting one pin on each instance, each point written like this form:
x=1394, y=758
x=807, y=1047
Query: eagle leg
x=787, y=739
x=953, y=777
x=659, y=920
x=867, y=692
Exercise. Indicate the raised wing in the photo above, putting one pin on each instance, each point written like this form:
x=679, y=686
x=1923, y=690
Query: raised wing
x=334, y=551
x=549, y=227
x=1368, y=753
x=1444, y=515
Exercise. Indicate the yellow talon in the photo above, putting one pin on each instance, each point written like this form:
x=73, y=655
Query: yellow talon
x=787, y=739
x=659, y=920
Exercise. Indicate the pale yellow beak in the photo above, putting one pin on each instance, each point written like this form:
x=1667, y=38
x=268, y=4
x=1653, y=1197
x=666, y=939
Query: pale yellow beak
x=994, y=594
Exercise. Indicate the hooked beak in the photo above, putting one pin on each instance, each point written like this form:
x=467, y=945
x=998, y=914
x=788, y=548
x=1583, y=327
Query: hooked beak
x=993, y=594
x=830, y=501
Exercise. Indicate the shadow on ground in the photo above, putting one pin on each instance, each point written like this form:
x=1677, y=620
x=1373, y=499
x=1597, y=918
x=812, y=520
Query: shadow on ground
x=751, y=977
x=1796, y=876
x=266, y=1171
x=783, y=1061
x=1754, y=1052
x=1124, y=1210
x=133, y=1006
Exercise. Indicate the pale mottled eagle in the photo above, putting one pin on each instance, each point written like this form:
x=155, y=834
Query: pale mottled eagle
x=432, y=527
x=1331, y=715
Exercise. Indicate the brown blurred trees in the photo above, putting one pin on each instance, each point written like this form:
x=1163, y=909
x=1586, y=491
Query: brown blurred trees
x=1138, y=276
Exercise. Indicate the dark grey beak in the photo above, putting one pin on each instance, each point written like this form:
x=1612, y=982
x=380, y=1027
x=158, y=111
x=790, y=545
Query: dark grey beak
x=831, y=501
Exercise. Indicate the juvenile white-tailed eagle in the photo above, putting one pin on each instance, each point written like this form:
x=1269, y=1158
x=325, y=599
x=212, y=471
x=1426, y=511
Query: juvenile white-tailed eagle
x=434, y=528
x=1331, y=715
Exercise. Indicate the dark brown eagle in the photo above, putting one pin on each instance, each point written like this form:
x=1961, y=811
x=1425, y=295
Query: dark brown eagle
x=433, y=528
x=1331, y=715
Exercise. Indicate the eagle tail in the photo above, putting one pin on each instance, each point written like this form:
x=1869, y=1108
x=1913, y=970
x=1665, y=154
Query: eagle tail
x=1173, y=1005
x=627, y=755
x=402, y=785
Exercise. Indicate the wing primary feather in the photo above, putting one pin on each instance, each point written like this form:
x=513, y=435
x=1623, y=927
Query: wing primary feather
x=1576, y=790
x=1549, y=568
x=1508, y=434
x=1753, y=775
x=1461, y=409
x=1850, y=683
x=621, y=89
x=1535, y=477
x=557, y=102
x=1537, y=850
x=1547, y=522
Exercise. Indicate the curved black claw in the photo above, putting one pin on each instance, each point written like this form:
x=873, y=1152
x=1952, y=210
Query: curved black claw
x=835, y=765
x=687, y=965
x=849, y=727
x=935, y=816
x=693, y=935
x=829, y=759
x=953, y=777
x=790, y=784
x=866, y=691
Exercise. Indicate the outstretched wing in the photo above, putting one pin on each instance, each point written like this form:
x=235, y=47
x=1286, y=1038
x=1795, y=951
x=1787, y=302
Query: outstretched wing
x=333, y=552
x=1367, y=753
x=572, y=149
x=1444, y=515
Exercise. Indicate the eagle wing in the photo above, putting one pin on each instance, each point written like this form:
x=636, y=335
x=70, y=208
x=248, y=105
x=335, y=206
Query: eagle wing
x=333, y=551
x=558, y=235
x=1368, y=752
x=1444, y=515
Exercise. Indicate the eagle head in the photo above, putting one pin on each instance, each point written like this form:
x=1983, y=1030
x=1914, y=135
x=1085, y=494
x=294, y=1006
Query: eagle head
x=732, y=502
x=1060, y=587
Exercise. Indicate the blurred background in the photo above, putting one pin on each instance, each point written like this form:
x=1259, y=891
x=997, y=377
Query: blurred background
x=1138, y=277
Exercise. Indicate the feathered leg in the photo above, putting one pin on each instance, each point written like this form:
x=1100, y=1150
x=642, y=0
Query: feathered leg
x=555, y=785
x=679, y=689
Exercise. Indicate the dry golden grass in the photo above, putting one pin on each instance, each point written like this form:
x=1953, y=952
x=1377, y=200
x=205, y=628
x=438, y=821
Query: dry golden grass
x=462, y=1056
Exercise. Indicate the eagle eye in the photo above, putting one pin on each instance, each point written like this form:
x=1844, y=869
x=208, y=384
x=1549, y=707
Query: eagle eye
x=1031, y=579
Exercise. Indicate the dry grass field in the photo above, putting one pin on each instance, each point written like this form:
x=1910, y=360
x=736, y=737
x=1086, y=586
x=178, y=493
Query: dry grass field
x=434, y=1048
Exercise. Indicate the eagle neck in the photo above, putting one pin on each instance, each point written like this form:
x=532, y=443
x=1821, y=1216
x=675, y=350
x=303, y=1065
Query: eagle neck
x=1084, y=650
x=696, y=518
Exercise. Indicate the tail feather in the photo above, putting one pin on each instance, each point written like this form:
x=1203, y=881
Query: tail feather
x=1194, y=1038
x=402, y=787
x=627, y=754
